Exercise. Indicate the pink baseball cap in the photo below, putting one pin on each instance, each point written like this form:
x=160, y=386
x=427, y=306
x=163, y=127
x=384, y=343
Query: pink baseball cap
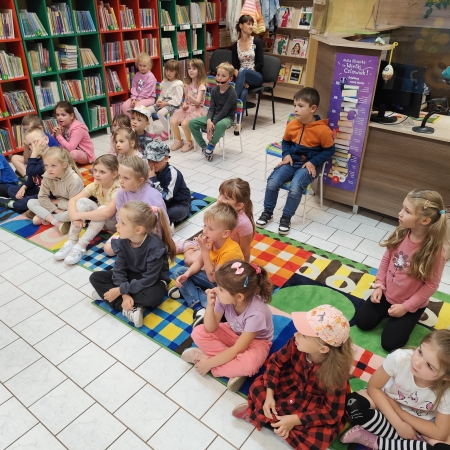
x=325, y=322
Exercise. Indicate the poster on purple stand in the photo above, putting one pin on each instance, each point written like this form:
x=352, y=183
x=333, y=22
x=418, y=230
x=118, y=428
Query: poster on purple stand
x=351, y=95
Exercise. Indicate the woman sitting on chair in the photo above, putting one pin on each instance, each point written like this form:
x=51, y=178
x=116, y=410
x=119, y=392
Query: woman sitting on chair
x=247, y=59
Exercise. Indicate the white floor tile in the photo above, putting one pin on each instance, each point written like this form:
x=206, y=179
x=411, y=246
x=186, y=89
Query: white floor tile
x=38, y=326
x=219, y=419
x=298, y=235
x=4, y=394
x=22, y=272
x=9, y=292
x=41, y=285
x=319, y=230
x=351, y=254
x=129, y=441
x=370, y=248
x=173, y=434
x=18, y=310
x=341, y=210
x=264, y=439
x=163, y=369
x=15, y=357
x=221, y=444
x=61, y=406
x=56, y=267
x=141, y=416
x=345, y=239
x=87, y=289
x=10, y=259
x=20, y=245
x=114, y=387
x=82, y=314
x=106, y=331
x=367, y=217
x=369, y=232
x=6, y=335
x=6, y=236
x=322, y=244
x=372, y=262
x=133, y=349
x=316, y=215
x=87, y=364
x=35, y=381
x=4, y=248
x=189, y=231
x=61, y=344
x=95, y=428
x=341, y=223
x=61, y=298
x=445, y=288
x=38, y=438
x=196, y=394
x=15, y=421
x=77, y=277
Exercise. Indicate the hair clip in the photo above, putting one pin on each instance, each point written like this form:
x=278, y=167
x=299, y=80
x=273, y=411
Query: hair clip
x=442, y=211
x=257, y=268
x=246, y=281
x=237, y=266
x=154, y=209
x=426, y=204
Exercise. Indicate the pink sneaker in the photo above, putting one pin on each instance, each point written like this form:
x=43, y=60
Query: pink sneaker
x=359, y=435
x=241, y=412
x=192, y=355
x=163, y=136
x=177, y=145
x=187, y=147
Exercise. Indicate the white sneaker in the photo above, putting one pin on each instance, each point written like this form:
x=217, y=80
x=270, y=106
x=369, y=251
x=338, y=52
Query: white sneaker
x=95, y=296
x=234, y=384
x=64, y=250
x=135, y=315
x=199, y=315
x=74, y=256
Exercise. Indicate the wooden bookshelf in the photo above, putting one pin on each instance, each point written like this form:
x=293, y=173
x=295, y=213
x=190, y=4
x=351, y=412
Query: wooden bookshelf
x=90, y=39
x=15, y=47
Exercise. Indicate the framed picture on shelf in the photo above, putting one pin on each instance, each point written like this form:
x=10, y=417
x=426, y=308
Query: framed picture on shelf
x=304, y=21
x=297, y=47
x=295, y=75
x=284, y=72
x=286, y=16
x=281, y=44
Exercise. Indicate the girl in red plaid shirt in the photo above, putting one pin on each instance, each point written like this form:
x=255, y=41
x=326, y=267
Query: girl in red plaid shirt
x=301, y=395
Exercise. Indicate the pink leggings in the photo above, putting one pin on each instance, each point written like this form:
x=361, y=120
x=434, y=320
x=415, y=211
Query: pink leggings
x=79, y=156
x=245, y=364
x=145, y=102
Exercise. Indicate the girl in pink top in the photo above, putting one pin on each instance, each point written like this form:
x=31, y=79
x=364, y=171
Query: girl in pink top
x=410, y=270
x=72, y=134
x=143, y=86
x=238, y=348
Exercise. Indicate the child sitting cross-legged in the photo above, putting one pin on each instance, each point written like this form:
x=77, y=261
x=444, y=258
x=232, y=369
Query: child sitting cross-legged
x=141, y=272
x=216, y=248
x=238, y=348
x=221, y=112
x=307, y=143
x=168, y=180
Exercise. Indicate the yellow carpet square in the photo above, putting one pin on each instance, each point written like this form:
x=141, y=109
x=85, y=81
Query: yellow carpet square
x=152, y=321
x=186, y=316
x=169, y=306
x=171, y=332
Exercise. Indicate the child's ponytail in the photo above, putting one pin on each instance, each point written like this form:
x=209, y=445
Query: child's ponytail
x=240, y=277
x=166, y=234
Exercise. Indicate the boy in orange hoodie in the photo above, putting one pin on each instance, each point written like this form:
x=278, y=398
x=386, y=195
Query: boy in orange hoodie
x=307, y=143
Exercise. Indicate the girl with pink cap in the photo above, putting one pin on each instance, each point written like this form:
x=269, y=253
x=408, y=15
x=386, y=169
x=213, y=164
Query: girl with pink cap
x=301, y=395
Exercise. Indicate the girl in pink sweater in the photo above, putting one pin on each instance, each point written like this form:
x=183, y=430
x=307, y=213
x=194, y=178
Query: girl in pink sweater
x=72, y=134
x=410, y=270
x=143, y=86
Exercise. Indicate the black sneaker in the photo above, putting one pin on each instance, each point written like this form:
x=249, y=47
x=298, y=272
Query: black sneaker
x=264, y=219
x=199, y=315
x=4, y=202
x=174, y=293
x=285, y=226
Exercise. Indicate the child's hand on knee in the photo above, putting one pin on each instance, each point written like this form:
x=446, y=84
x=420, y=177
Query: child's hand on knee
x=203, y=366
x=128, y=302
x=269, y=406
x=310, y=168
x=78, y=224
x=284, y=425
x=376, y=295
x=181, y=279
x=112, y=294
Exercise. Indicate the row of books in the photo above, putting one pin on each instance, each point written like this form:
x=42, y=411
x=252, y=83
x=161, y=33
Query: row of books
x=66, y=57
x=223, y=11
x=49, y=124
x=31, y=25
x=6, y=24
x=93, y=85
x=184, y=65
x=166, y=45
x=194, y=40
x=290, y=73
x=126, y=17
x=59, y=19
x=88, y=58
x=130, y=72
x=182, y=42
x=210, y=12
x=107, y=17
x=291, y=17
x=5, y=141
x=209, y=39
x=18, y=102
x=165, y=18
x=10, y=66
x=283, y=45
x=98, y=115
x=113, y=83
x=182, y=14
x=39, y=58
x=83, y=22
x=17, y=131
x=196, y=13
x=224, y=38
x=72, y=91
x=131, y=49
x=114, y=109
x=111, y=52
x=150, y=44
x=148, y=18
x=47, y=94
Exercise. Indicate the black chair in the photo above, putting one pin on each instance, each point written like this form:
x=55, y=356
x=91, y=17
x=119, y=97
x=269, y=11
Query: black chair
x=218, y=56
x=271, y=69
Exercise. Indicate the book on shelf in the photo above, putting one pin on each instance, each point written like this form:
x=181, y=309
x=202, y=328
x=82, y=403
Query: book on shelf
x=17, y=102
x=280, y=45
x=149, y=44
x=305, y=18
x=39, y=58
x=182, y=42
x=223, y=11
x=47, y=94
x=93, y=85
x=283, y=74
x=31, y=25
x=49, y=124
x=209, y=39
x=114, y=109
x=210, y=12
x=131, y=49
x=268, y=44
x=72, y=90
x=224, y=38
x=17, y=132
x=6, y=24
x=298, y=47
x=194, y=40
x=78, y=116
x=111, y=52
x=286, y=16
x=66, y=56
x=166, y=45
x=130, y=72
x=184, y=66
x=60, y=19
x=88, y=58
x=98, y=115
x=148, y=18
x=5, y=141
x=83, y=22
x=182, y=14
x=126, y=17
x=196, y=13
x=112, y=81
x=10, y=66
x=295, y=74
x=165, y=18
x=107, y=17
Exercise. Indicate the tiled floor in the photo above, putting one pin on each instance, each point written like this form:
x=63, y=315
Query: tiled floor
x=73, y=377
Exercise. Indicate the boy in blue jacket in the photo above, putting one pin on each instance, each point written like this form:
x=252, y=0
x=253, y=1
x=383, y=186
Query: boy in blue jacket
x=18, y=196
x=307, y=143
x=168, y=180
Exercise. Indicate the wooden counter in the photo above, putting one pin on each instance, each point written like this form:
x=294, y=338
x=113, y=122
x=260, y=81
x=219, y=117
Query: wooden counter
x=397, y=160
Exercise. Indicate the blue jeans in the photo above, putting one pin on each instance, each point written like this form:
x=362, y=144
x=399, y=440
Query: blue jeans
x=249, y=76
x=299, y=178
x=193, y=289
